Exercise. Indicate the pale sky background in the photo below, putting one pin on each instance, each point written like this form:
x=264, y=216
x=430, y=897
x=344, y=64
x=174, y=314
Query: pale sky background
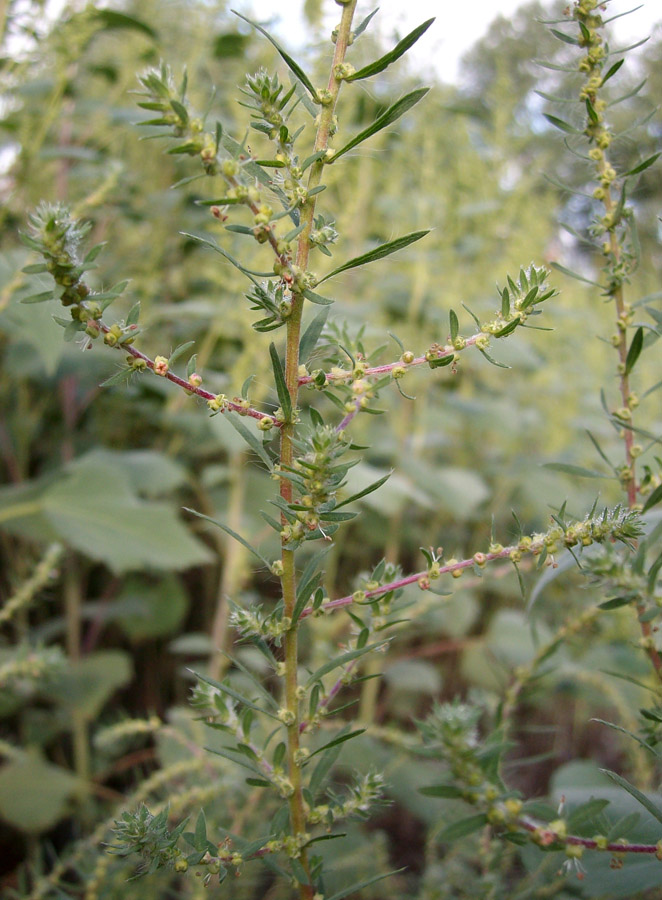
x=460, y=23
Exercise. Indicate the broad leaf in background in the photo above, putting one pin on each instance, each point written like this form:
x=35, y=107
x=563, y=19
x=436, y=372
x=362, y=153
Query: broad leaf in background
x=34, y=794
x=94, y=508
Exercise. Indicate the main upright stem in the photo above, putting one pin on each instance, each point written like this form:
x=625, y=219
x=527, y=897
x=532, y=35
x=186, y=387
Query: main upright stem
x=288, y=577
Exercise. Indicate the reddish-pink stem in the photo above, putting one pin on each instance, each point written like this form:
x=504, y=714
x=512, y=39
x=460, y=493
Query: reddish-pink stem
x=192, y=389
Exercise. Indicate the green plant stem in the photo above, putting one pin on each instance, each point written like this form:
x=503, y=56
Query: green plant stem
x=42, y=574
x=72, y=607
x=288, y=578
x=233, y=566
x=630, y=484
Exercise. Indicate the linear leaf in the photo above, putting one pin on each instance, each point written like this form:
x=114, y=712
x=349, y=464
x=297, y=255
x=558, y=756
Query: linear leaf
x=240, y=698
x=341, y=660
x=449, y=791
x=214, y=246
x=312, y=334
x=368, y=490
x=345, y=892
x=654, y=499
x=644, y=165
x=391, y=115
x=316, y=298
x=399, y=50
x=294, y=67
x=361, y=27
x=121, y=377
x=462, y=828
x=493, y=361
x=110, y=18
x=648, y=804
x=630, y=734
x=579, y=471
x=617, y=602
x=344, y=735
x=38, y=298
x=378, y=253
x=454, y=324
x=612, y=71
x=634, y=350
x=563, y=126
x=229, y=531
x=178, y=351
x=251, y=439
x=566, y=271
x=566, y=38
x=281, y=385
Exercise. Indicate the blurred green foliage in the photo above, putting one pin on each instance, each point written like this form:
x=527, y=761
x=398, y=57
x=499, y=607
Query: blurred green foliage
x=105, y=472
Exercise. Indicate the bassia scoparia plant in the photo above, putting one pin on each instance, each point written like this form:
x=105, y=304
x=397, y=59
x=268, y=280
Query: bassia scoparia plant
x=285, y=731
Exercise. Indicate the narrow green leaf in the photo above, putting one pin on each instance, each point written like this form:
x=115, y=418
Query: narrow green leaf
x=653, y=573
x=239, y=229
x=378, y=253
x=250, y=437
x=454, y=324
x=312, y=334
x=35, y=269
x=344, y=735
x=579, y=471
x=361, y=27
x=337, y=516
x=399, y=50
x=566, y=38
x=449, y=791
x=640, y=168
x=391, y=115
x=612, y=71
x=325, y=764
x=293, y=66
x=442, y=361
x=563, y=126
x=653, y=499
x=341, y=660
x=38, y=298
x=178, y=351
x=180, y=110
x=121, y=377
x=634, y=350
x=463, y=828
x=368, y=490
x=226, y=689
x=281, y=386
x=112, y=292
x=592, y=114
x=316, y=298
x=617, y=602
x=308, y=161
x=270, y=163
x=201, y=832
x=566, y=271
x=508, y=329
x=232, y=534
x=236, y=758
x=110, y=18
x=345, y=892
x=218, y=249
x=586, y=813
x=492, y=360
x=134, y=314
x=645, y=801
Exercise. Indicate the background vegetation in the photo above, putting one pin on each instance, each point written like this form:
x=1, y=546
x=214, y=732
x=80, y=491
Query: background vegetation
x=131, y=594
